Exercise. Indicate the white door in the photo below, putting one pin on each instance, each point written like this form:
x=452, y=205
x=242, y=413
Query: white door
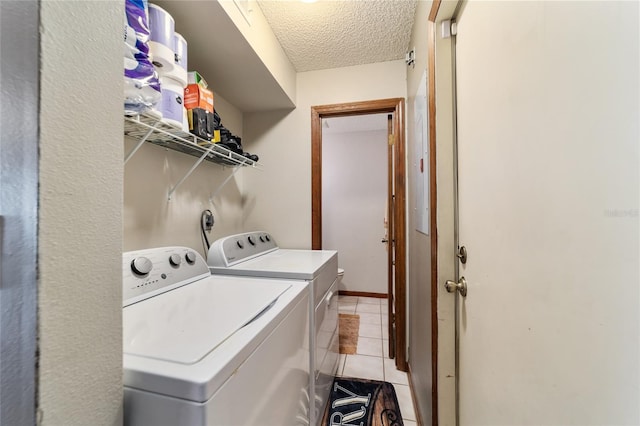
x=548, y=138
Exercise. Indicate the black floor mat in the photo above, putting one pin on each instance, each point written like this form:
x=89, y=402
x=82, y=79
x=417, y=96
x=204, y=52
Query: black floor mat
x=362, y=402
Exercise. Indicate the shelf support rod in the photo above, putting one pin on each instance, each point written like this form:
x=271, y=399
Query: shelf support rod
x=140, y=143
x=200, y=160
x=219, y=188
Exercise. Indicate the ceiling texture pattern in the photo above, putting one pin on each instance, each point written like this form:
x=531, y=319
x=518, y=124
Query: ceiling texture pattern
x=340, y=33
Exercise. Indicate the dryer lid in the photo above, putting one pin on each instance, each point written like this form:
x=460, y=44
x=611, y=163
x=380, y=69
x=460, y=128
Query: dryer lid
x=186, y=324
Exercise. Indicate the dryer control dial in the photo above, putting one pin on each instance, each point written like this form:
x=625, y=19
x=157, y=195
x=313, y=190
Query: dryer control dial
x=149, y=272
x=191, y=257
x=141, y=265
x=175, y=259
x=231, y=250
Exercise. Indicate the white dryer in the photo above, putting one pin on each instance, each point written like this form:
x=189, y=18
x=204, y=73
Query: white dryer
x=256, y=254
x=211, y=350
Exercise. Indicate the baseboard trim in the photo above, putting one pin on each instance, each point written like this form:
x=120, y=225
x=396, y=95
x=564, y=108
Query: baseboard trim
x=362, y=294
x=413, y=395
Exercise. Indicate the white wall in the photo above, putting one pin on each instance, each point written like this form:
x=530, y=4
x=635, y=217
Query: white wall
x=279, y=199
x=80, y=209
x=354, y=197
x=151, y=220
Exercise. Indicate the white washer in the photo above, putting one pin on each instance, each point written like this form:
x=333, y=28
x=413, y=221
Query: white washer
x=211, y=350
x=256, y=254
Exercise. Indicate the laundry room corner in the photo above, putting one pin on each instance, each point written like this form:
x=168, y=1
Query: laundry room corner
x=152, y=219
x=282, y=193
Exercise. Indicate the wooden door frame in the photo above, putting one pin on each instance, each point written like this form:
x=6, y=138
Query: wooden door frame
x=395, y=106
x=433, y=204
x=389, y=234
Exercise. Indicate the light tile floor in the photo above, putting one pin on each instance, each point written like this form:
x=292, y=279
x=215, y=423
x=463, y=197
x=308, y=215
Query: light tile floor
x=371, y=359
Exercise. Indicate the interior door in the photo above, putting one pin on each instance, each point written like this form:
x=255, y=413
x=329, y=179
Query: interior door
x=390, y=239
x=547, y=123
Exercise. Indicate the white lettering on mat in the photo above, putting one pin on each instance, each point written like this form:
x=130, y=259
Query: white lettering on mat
x=340, y=419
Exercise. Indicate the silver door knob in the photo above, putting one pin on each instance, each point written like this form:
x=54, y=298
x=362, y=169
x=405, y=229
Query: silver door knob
x=461, y=286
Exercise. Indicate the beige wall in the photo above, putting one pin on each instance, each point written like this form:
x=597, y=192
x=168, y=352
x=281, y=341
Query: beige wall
x=151, y=220
x=80, y=228
x=279, y=198
x=419, y=291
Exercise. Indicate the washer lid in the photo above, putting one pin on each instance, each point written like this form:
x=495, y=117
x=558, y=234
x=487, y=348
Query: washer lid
x=185, y=324
x=282, y=263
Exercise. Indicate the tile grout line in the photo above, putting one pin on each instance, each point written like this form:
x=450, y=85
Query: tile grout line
x=382, y=357
x=384, y=372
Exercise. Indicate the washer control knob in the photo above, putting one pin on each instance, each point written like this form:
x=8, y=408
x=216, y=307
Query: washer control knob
x=266, y=237
x=141, y=265
x=191, y=257
x=175, y=259
x=252, y=240
x=240, y=245
x=261, y=239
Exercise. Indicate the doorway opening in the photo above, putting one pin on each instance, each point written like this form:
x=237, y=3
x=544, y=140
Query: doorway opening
x=396, y=289
x=354, y=200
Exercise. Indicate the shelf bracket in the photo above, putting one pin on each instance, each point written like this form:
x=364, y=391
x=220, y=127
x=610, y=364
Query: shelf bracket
x=140, y=143
x=144, y=126
x=219, y=188
x=200, y=160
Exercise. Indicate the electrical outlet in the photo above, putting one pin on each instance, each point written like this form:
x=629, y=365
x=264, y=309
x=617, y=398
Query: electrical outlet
x=208, y=220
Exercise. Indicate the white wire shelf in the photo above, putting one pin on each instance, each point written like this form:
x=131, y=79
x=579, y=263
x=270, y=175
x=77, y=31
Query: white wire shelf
x=147, y=128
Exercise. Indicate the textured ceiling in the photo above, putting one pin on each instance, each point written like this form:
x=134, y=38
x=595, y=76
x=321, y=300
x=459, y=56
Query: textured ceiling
x=339, y=33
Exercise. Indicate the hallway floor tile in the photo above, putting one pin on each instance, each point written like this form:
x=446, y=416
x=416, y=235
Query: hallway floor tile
x=371, y=359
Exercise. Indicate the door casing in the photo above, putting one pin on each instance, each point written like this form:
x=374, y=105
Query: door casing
x=396, y=107
x=390, y=236
x=442, y=171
